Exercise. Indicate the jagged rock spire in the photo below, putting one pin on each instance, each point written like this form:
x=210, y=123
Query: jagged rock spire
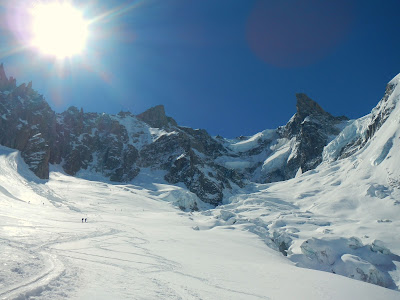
x=2, y=73
x=306, y=107
x=3, y=78
x=156, y=117
x=6, y=83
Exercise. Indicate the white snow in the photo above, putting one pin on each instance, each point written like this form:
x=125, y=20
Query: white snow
x=237, y=164
x=338, y=225
x=354, y=130
x=140, y=134
x=395, y=80
x=282, y=152
x=136, y=245
x=239, y=145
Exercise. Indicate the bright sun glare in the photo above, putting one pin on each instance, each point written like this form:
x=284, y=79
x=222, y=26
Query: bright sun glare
x=59, y=29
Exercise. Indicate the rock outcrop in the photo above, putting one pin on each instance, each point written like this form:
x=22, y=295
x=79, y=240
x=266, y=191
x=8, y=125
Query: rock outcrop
x=188, y=156
x=311, y=128
x=119, y=146
x=27, y=124
x=156, y=117
x=376, y=118
x=116, y=147
x=5, y=83
x=275, y=155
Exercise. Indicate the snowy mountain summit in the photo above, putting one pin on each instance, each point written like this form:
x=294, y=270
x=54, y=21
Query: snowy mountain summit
x=324, y=191
x=119, y=146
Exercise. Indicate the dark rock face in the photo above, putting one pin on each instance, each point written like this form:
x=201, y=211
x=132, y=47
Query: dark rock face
x=201, y=141
x=156, y=117
x=27, y=123
x=187, y=156
x=102, y=143
x=94, y=141
x=5, y=83
x=311, y=127
x=119, y=146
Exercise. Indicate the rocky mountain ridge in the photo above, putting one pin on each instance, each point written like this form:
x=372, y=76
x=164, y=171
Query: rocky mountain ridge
x=119, y=146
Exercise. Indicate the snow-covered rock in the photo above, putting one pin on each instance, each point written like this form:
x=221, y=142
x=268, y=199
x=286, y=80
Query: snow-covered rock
x=349, y=257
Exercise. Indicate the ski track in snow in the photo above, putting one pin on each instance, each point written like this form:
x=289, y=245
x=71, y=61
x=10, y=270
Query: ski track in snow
x=101, y=247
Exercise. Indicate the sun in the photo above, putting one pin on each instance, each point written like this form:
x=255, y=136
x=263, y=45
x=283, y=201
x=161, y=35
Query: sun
x=58, y=29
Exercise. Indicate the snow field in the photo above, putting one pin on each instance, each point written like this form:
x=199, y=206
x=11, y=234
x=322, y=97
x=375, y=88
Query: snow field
x=136, y=245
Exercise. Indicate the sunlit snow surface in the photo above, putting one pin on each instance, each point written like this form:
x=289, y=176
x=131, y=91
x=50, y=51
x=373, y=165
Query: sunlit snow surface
x=135, y=245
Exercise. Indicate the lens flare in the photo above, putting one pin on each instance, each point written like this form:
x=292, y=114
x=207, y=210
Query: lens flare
x=58, y=29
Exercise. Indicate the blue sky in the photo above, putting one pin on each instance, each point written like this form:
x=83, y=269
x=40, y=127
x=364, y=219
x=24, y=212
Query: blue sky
x=231, y=67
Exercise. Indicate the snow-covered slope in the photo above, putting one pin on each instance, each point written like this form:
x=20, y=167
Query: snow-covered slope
x=342, y=217
x=135, y=245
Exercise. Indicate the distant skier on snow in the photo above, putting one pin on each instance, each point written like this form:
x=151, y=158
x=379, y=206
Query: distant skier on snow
x=82, y=220
x=85, y=220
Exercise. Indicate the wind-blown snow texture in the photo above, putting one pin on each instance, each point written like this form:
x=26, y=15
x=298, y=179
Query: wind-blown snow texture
x=340, y=217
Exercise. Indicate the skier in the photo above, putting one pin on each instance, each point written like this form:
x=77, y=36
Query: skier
x=85, y=220
x=82, y=220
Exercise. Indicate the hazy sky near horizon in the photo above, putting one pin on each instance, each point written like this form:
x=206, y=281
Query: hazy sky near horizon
x=231, y=67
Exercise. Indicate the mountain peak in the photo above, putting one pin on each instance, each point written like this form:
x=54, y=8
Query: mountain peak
x=2, y=72
x=6, y=84
x=3, y=77
x=306, y=107
x=156, y=117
